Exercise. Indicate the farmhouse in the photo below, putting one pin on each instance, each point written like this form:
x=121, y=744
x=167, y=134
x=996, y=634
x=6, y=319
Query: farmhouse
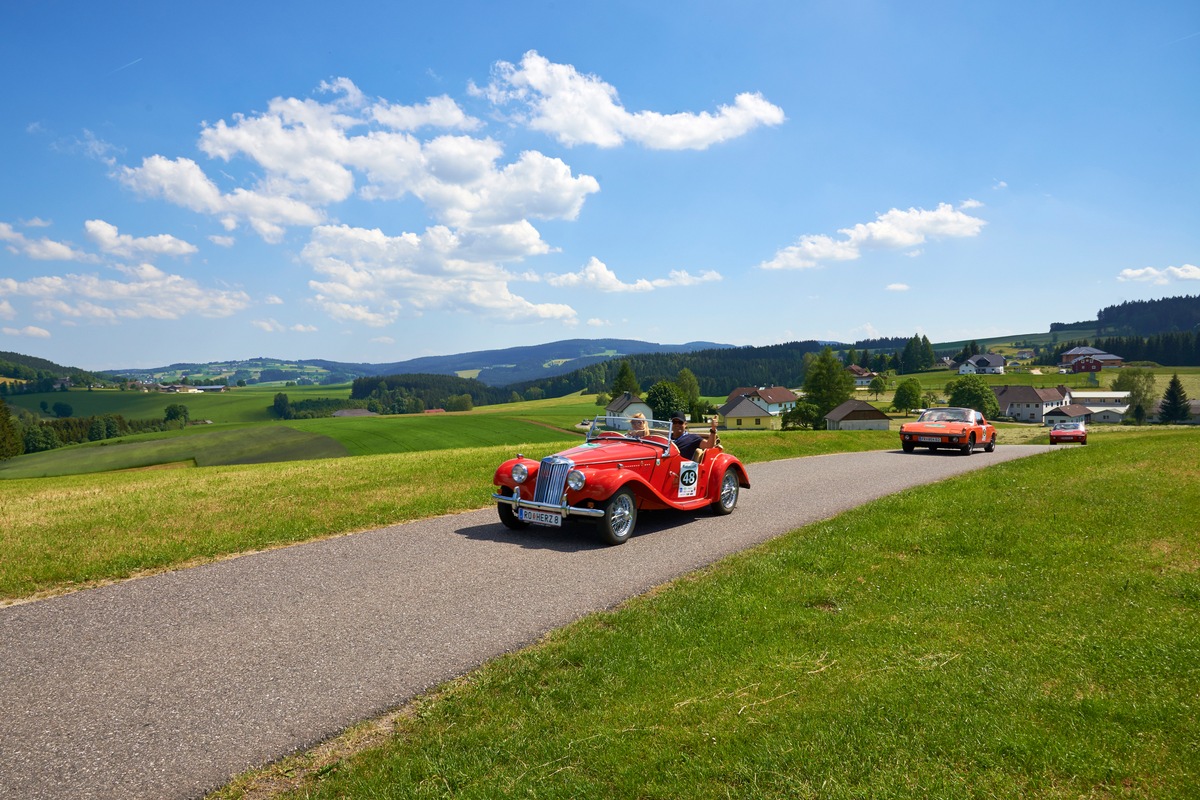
x=862, y=377
x=857, y=415
x=1071, y=412
x=1088, y=359
x=625, y=405
x=775, y=399
x=1027, y=404
x=746, y=411
x=983, y=364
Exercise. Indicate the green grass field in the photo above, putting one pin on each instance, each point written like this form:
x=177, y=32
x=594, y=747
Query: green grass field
x=1043, y=643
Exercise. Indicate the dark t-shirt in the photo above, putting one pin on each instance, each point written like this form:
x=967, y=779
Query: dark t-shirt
x=687, y=444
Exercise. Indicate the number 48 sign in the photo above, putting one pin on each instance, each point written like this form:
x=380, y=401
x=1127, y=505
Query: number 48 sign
x=689, y=474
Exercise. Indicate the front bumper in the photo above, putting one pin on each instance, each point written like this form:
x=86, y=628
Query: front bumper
x=516, y=501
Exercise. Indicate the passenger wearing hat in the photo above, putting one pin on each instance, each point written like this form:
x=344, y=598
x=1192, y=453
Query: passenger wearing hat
x=689, y=442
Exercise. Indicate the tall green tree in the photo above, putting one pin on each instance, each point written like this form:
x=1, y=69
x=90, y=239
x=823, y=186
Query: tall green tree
x=688, y=386
x=827, y=384
x=925, y=354
x=664, y=399
x=177, y=412
x=972, y=391
x=626, y=381
x=878, y=386
x=802, y=415
x=1175, y=406
x=1140, y=385
x=11, y=442
x=908, y=396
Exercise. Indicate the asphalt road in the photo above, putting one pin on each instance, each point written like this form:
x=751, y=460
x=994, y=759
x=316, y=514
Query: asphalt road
x=170, y=685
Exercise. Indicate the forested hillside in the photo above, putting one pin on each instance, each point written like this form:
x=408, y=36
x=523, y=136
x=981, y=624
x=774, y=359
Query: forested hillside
x=40, y=373
x=1148, y=317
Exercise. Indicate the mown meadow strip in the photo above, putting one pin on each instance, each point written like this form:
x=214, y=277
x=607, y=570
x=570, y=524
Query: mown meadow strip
x=1029, y=630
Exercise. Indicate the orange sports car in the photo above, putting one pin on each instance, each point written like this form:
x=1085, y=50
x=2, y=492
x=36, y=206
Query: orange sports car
x=962, y=429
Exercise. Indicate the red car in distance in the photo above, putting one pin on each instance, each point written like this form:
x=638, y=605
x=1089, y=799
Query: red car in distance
x=1063, y=432
x=624, y=467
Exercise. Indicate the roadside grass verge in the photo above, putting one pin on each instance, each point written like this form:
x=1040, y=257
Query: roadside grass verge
x=72, y=531
x=1028, y=630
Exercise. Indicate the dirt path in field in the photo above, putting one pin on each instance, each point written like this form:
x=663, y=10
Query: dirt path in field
x=170, y=685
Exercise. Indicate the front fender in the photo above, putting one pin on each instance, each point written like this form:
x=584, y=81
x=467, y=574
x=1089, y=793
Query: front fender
x=716, y=473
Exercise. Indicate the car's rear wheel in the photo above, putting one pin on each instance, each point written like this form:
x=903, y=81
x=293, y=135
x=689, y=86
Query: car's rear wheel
x=508, y=514
x=620, y=517
x=727, y=499
x=990, y=447
x=969, y=447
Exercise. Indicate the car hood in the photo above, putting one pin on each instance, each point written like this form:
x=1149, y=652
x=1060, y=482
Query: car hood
x=935, y=427
x=608, y=450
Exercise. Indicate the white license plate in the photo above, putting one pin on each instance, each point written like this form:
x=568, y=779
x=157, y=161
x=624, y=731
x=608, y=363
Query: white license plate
x=541, y=517
x=934, y=439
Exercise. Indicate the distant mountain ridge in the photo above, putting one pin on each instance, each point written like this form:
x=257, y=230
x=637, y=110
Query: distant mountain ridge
x=531, y=362
x=493, y=367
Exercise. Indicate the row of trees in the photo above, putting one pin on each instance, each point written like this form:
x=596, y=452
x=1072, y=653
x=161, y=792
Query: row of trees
x=22, y=431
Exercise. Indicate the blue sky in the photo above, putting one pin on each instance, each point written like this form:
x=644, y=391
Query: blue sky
x=372, y=182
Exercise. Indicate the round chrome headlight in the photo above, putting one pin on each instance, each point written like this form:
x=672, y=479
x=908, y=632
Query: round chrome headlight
x=575, y=480
x=520, y=472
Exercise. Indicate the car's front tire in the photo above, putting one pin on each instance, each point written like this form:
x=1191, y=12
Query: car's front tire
x=727, y=499
x=990, y=447
x=969, y=447
x=620, y=517
x=908, y=447
x=508, y=514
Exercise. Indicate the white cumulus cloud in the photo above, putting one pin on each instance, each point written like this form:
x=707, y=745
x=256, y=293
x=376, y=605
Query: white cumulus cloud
x=1188, y=272
x=143, y=292
x=29, y=331
x=43, y=249
x=894, y=229
x=370, y=277
x=897, y=287
x=583, y=109
x=597, y=276
x=110, y=241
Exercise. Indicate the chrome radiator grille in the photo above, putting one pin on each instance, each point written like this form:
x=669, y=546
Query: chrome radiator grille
x=552, y=476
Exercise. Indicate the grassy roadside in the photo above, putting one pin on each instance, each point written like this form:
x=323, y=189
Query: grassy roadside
x=72, y=531
x=1030, y=630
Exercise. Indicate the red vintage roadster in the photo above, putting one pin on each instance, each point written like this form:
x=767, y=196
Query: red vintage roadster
x=617, y=472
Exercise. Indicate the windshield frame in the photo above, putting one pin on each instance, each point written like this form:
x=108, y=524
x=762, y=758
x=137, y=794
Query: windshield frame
x=605, y=425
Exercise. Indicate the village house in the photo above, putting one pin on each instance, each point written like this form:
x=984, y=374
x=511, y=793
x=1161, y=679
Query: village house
x=748, y=411
x=862, y=377
x=1088, y=359
x=857, y=415
x=625, y=405
x=983, y=364
x=1072, y=412
x=775, y=399
x=1027, y=404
